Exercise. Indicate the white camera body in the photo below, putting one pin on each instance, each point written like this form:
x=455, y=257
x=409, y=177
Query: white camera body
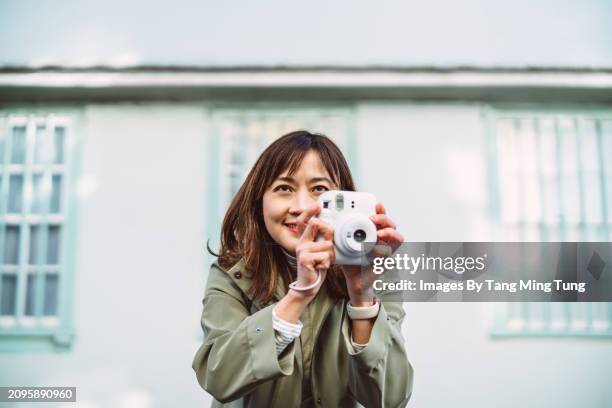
x=348, y=212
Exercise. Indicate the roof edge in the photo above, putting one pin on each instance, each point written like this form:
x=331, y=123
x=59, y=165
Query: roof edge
x=19, y=69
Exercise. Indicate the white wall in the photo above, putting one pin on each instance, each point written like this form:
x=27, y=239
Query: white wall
x=427, y=165
x=140, y=264
x=275, y=32
x=139, y=274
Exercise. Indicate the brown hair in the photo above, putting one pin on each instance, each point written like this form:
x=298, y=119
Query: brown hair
x=244, y=234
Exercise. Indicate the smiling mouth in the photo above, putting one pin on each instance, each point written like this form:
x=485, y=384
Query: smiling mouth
x=292, y=227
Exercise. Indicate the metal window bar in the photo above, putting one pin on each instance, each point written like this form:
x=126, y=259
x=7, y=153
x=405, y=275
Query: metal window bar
x=29, y=309
x=240, y=135
x=579, y=319
x=256, y=129
x=4, y=184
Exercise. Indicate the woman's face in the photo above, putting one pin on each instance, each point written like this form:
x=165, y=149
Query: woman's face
x=288, y=196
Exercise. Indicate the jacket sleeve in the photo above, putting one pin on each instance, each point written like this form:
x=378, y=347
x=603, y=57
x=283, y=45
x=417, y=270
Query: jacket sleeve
x=238, y=351
x=380, y=374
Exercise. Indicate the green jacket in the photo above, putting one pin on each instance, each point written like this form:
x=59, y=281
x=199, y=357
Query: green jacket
x=238, y=366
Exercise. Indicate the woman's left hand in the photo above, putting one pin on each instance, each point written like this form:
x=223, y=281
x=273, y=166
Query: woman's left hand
x=359, y=287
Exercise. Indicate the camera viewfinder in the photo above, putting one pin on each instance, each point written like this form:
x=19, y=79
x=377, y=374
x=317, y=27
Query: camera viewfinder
x=339, y=202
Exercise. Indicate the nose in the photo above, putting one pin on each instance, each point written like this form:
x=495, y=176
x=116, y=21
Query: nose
x=301, y=201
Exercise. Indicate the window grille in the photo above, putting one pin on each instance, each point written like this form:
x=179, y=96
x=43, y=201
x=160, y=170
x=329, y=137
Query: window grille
x=35, y=177
x=551, y=180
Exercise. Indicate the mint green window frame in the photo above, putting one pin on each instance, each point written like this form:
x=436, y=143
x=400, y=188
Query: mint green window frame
x=590, y=132
x=36, y=324
x=270, y=121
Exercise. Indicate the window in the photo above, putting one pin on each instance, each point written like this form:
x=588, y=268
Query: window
x=240, y=135
x=36, y=228
x=551, y=180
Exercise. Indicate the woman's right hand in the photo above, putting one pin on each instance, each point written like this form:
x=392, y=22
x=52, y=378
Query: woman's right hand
x=313, y=257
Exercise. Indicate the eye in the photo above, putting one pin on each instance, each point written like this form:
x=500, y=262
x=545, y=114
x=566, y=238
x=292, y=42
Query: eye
x=283, y=188
x=320, y=188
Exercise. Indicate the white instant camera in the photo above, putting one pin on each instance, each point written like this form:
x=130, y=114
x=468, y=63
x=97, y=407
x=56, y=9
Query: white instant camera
x=349, y=213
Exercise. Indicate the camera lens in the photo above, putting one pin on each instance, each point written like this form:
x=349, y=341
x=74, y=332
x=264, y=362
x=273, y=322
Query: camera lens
x=359, y=235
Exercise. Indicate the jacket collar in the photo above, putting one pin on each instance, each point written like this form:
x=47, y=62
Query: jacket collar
x=244, y=280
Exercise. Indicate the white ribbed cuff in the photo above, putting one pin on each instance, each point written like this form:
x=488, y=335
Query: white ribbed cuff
x=357, y=346
x=284, y=332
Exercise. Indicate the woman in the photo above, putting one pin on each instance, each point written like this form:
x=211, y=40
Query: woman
x=328, y=344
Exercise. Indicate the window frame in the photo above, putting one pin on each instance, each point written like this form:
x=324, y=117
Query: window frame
x=218, y=112
x=572, y=314
x=19, y=333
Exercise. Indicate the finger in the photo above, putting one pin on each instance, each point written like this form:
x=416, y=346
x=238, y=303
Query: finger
x=306, y=261
x=389, y=235
x=392, y=238
x=383, y=221
x=310, y=231
x=315, y=227
x=322, y=260
x=306, y=215
x=315, y=260
x=333, y=255
x=316, y=246
x=306, y=269
x=380, y=209
x=382, y=249
x=325, y=229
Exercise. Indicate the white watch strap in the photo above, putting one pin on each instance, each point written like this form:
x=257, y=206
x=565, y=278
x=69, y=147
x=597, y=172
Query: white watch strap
x=363, y=313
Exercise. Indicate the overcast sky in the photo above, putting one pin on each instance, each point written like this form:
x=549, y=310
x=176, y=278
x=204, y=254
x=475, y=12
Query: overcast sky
x=316, y=32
